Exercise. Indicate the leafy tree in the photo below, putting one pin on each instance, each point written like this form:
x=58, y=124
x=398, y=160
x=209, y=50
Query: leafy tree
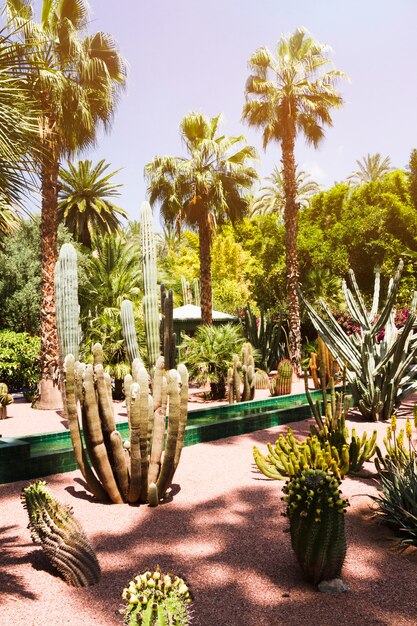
x=19, y=364
x=288, y=94
x=271, y=198
x=412, y=166
x=204, y=188
x=74, y=79
x=371, y=168
x=84, y=200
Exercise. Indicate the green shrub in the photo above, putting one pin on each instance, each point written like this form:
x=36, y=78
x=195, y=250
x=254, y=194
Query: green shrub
x=19, y=360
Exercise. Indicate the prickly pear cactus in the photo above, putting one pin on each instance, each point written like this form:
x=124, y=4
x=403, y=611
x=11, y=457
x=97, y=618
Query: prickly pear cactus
x=157, y=599
x=315, y=509
x=62, y=539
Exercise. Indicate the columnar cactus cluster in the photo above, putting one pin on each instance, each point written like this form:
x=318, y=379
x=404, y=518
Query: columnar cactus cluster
x=242, y=372
x=61, y=537
x=168, y=337
x=157, y=599
x=144, y=473
x=315, y=509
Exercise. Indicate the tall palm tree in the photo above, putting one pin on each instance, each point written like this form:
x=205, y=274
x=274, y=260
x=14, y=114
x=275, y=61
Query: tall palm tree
x=204, y=188
x=271, y=198
x=84, y=200
x=287, y=94
x=75, y=79
x=371, y=168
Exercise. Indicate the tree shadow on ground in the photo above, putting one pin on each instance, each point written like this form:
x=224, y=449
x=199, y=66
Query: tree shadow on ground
x=12, y=584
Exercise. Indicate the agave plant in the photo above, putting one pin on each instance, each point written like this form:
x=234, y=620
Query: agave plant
x=381, y=371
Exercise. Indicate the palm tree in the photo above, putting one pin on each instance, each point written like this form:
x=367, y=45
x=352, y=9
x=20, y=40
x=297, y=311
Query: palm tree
x=75, y=79
x=271, y=198
x=204, y=188
x=84, y=206
x=370, y=169
x=286, y=95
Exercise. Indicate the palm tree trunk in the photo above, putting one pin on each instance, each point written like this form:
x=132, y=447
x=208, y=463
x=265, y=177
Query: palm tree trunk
x=291, y=257
x=204, y=235
x=50, y=396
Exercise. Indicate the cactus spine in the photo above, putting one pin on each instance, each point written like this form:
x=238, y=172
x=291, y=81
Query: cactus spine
x=316, y=511
x=168, y=337
x=150, y=299
x=66, y=301
x=156, y=599
x=145, y=472
x=282, y=382
x=61, y=537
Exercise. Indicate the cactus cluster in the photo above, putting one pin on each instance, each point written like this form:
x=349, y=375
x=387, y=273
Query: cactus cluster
x=5, y=399
x=315, y=509
x=323, y=366
x=281, y=384
x=61, y=537
x=381, y=372
x=157, y=599
x=139, y=471
x=242, y=372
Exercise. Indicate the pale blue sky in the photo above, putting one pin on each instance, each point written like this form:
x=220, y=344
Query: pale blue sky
x=186, y=55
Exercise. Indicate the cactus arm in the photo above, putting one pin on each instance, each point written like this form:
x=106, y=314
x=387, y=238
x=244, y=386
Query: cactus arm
x=173, y=426
x=70, y=404
x=98, y=449
x=143, y=430
x=135, y=460
x=160, y=407
x=182, y=370
x=150, y=299
x=375, y=299
x=127, y=386
x=119, y=463
x=129, y=332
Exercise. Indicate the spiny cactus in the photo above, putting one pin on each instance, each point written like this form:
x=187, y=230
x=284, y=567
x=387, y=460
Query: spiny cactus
x=315, y=510
x=145, y=472
x=168, y=337
x=242, y=371
x=381, y=372
x=266, y=336
x=261, y=380
x=150, y=299
x=281, y=384
x=157, y=599
x=330, y=416
x=290, y=456
x=129, y=332
x=187, y=296
x=61, y=537
x=5, y=399
x=66, y=301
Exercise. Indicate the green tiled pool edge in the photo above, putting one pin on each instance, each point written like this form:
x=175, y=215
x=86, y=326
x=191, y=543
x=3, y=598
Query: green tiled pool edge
x=19, y=459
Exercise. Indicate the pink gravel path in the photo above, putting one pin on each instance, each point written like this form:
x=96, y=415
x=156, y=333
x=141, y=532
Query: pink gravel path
x=223, y=531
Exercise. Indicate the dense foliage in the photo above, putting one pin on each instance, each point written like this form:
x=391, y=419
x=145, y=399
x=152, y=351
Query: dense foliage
x=19, y=363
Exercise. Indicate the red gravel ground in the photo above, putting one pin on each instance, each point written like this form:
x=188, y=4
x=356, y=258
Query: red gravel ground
x=224, y=533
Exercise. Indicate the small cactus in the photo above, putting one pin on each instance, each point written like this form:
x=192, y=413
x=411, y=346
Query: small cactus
x=156, y=599
x=282, y=382
x=315, y=510
x=62, y=539
x=5, y=400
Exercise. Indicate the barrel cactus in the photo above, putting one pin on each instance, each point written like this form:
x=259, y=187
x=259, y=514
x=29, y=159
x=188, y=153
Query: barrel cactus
x=61, y=537
x=156, y=599
x=315, y=509
x=282, y=382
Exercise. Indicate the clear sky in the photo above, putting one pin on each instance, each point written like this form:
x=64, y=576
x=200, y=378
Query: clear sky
x=191, y=55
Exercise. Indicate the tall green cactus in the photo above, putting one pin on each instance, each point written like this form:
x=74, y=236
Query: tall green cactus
x=196, y=290
x=316, y=511
x=156, y=599
x=150, y=299
x=381, y=372
x=61, y=537
x=145, y=472
x=281, y=384
x=66, y=301
x=129, y=332
x=168, y=337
